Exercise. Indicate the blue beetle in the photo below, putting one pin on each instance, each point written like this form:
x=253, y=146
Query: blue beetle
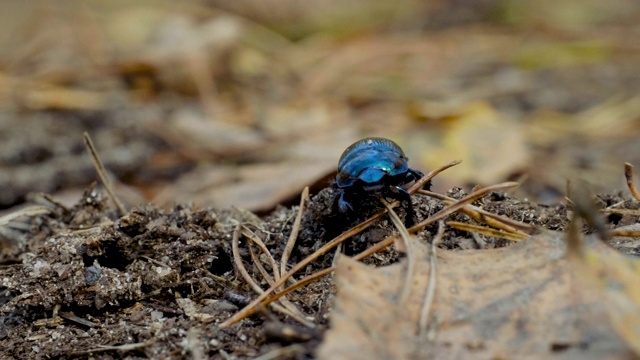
x=374, y=167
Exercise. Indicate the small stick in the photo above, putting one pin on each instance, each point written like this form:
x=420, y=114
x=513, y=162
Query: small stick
x=256, y=240
x=238, y=261
x=487, y=231
x=408, y=245
x=245, y=274
x=38, y=197
x=319, y=274
x=70, y=316
x=251, y=307
x=258, y=264
x=481, y=215
x=102, y=173
x=462, y=203
x=284, y=301
x=628, y=174
x=631, y=212
x=157, y=262
x=121, y=348
x=625, y=233
x=28, y=211
x=431, y=289
x=425, y=179
x=294, y=232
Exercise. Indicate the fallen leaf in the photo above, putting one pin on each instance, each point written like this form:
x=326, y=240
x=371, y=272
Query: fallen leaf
x=517, y=302
x=256, y=187
x=261, y=186
x=615, y=276
x=492, y=146
x=62, y=98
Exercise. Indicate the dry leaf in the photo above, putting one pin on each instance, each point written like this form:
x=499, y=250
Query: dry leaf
x=492, y=147
x=255, y=187
x=515, y=302
x=617, y=277
x=261, y=186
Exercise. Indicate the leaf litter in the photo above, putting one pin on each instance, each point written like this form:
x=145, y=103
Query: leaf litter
x=156, y=274
x=185, y=102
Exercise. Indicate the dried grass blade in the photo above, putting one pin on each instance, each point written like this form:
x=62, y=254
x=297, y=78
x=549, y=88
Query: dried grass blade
x=256, y=240
x=247, y=277
x=462, y=203
x=408, y=244
x=251, y=307
x=294, y=231
x=487, y=231
x=102, y=173
x=431, y=288
x=483, y=216
x=628, y=174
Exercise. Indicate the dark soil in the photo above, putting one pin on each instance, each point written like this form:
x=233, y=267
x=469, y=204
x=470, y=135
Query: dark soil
x=155, y=283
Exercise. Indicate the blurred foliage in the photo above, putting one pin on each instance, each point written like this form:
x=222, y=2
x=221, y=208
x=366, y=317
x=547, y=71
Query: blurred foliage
x=251, y=82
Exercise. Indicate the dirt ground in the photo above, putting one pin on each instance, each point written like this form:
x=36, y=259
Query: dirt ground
x=155, y=283
x=211, y=117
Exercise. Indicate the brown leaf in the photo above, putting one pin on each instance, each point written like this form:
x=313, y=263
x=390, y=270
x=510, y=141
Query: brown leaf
x=615, y=276
x=255, y=187
x=289, y=165
x=493, y=147
x=61, y=98
x=516, y=302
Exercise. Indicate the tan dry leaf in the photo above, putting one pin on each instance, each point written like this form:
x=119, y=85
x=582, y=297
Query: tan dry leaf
x=492, y=146
x=547, y=127
x=288, y=165
x=516, y=302
x=63, y=98
x=617, y=277
x=255, y=187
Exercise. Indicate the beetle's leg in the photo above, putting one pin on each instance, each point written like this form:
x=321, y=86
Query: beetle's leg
x=341, y=203
x=405, y=198
x=415, y=175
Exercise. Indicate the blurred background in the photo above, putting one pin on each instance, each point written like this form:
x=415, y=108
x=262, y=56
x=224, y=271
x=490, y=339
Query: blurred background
x=243, y=103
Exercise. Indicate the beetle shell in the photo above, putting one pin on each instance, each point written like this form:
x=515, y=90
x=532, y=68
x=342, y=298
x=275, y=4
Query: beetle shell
x=374, y=167
x=369, y=161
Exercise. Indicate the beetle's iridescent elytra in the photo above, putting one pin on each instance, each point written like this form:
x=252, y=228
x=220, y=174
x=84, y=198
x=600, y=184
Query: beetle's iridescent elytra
x=374, y=167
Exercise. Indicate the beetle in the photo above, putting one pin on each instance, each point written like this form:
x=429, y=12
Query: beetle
x=374, y=167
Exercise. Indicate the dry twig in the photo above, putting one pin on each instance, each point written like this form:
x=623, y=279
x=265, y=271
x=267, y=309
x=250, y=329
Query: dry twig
x=483, y=216
x=461, y=203
x=27, y=211
x=319, y=274
x=487, y=231
x=408, y=246
x=628, y=174
x=252, y=307
x=102, y=173
x=431, y=289
x=283, y=301
x=294, y=231
x=624, y=233
x=247, y=277
x=120, y=348
x=256, y=240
